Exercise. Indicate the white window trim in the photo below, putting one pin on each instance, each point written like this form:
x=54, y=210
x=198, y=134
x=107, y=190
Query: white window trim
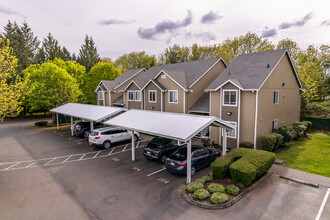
x=149, y=96
x=278, y=97
x=128, y=99
x=276, y=124
x=137, y=100
x=169, y=100
x=223, y=97
x=234, y=123
x=98, y=94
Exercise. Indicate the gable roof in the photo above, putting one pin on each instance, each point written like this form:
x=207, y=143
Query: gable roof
x=160, y=86
x=249, y=71
x=202, y=105
x=185, y=74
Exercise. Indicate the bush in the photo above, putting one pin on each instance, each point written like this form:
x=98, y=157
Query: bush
x=279, y=140
x=41, y=123
x=219, y=198
x=207, y=178
x=215, y=187
x=232, y=190
x=308, y=125
x=299, y=128
x=200, y=180
x=287, y=132
x=246, y=144
x=243, y=172
x=201, y=194
x=193, y=186
x=221, y=165
x=268, y=142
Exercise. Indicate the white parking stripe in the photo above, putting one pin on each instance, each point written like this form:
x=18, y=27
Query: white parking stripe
x=156, y=172
x=97, y=154
x=125, y=147
x=31, y=164
x=67, y=159
x=111, y=151
x=323, y=204
x=50, y=161
x=12, y=166
x=82, y=156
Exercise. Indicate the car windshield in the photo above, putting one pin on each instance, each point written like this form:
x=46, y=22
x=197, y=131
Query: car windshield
x=180, y=154
x=152, y=145
x=95, y=133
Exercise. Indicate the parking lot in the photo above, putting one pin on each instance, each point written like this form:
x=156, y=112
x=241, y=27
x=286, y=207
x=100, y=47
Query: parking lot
x=47, y=174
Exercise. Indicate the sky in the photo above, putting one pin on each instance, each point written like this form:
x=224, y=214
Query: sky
x=123, y=26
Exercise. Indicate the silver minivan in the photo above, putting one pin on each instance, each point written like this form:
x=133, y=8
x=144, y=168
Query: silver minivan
x=105, y=137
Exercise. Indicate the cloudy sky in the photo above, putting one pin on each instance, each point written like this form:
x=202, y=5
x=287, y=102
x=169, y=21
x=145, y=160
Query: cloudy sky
x=123, y=26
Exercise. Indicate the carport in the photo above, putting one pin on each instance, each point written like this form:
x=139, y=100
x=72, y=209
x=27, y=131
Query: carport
x=180, y=127
x=91, y=113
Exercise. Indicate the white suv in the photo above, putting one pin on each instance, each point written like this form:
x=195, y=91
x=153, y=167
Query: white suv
x=107, y=136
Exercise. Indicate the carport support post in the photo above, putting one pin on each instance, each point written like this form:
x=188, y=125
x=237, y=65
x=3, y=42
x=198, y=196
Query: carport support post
x=224, y=143
x=71, y=126
x=92, y=126
x=189, y=161
x=57, y=122
x=133, y=146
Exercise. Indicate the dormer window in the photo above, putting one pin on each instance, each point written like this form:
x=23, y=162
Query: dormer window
x=101, y=95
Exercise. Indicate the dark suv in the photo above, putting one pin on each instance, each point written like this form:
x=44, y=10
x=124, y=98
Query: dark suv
x=83, y=128
x=159, y=148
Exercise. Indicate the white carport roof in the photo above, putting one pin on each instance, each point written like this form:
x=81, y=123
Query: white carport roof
x=87, y=112
x=175, y=126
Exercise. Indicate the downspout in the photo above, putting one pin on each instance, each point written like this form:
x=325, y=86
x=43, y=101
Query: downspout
x=239, y=117
x=255, y=121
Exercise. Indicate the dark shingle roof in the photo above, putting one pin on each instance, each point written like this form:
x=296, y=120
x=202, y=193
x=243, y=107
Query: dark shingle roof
x=202, y=105
x=249, y=71
x=109, y=84
x=185, y=74
x=119, y=101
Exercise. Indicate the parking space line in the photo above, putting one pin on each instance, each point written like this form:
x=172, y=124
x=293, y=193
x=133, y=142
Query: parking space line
x=125, y=147
x=12, y=166
x=67, y=159
x=31, y=164
x=50, y=161
x=82, y=156
x=150, y=174
x=111, y=151
x=97, y=154
x=323, y=204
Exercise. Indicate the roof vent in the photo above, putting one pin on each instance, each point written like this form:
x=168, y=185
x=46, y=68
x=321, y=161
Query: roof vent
x=267, y=65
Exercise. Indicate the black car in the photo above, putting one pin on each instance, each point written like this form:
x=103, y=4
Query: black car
x=200, y=157
x=83, y=128
x=159, y=148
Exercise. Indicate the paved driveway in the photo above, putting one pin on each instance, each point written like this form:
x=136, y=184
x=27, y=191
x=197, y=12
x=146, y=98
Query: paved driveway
x=47, y=174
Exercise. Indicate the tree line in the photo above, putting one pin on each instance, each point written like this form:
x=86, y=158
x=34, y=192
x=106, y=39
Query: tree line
x=40, y=75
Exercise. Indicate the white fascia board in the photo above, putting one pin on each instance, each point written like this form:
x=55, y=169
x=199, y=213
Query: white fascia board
x=162, y=71
x=129, y=86
x=130, y=78
x=154, y=84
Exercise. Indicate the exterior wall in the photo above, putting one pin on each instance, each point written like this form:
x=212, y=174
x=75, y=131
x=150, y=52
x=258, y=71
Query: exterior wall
x=151, y=105
x=215, y=111
x=203, y=83
x=132, y=104
x=248, y=105
x=287, y=110
x=169, y=84
x=106, y=97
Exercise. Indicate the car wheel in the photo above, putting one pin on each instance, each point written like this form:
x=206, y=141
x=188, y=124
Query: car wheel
x=193, y=170
x=163, y=158
x=106, y=144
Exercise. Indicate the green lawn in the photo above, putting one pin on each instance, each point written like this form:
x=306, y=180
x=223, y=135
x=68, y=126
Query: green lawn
x=311, y=154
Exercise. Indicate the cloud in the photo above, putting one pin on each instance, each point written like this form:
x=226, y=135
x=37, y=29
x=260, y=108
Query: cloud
x=299, y=23
x=325, y=23
x=268, y=33
x=163, y=27
x=205, y=36
x=211, y=17
x=9, y=11
x=115, y=21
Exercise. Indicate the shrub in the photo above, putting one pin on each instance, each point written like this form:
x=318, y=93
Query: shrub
x=219, y=198
x=221, y=165
x=215, y=187
x=41, y=123
x=279, y=140
x=268, y=142
x=246, y=144
x=200, y=180
x=287, y=132
x=299, y=128
x=232, y=190
x=193, y=186
x=243, y=172
x=201, y=194
x=308, y=125
x=207, y=178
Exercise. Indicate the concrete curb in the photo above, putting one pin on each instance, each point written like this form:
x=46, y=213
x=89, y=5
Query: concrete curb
x=227, y=204
x=300, y=181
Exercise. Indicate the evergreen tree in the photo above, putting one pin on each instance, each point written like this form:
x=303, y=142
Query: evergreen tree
x=51, y=48
x=88, y=55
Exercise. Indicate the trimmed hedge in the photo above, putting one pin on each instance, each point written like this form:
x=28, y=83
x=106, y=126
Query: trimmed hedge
x=207, y=178
x=201, y=194
x=246, y=144
x=268, y=142
x=193, y=186
x=279, y=140
x=220, y=166
x=200, y=180
x=215, y=187
x=232, y=190
x=243, y=172
x=219, y=198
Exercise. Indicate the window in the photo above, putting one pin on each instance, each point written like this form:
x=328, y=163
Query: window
x=130, y=96
x=231, y=133
x=274, y=125
x=101, y=95
x=275, y=98
x=137, y=95
x=230, y=97
x=173, y=96
x=152, y=96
